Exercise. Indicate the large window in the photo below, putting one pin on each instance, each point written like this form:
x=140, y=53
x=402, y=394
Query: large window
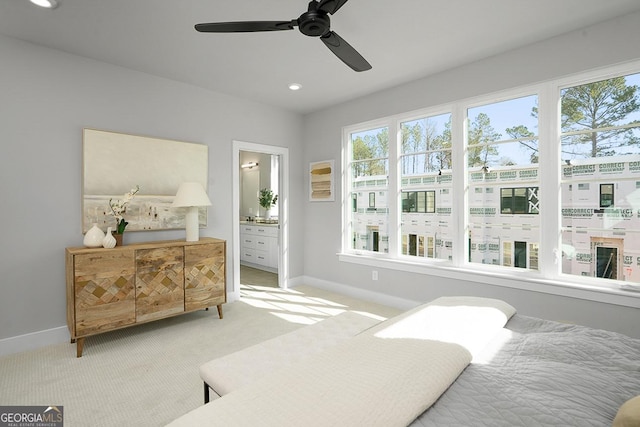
x=502, y=161
x=600, y=149
x=369, y=170
x=467, y=187
x=425, y=162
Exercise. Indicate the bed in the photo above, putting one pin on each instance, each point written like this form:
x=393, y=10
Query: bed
x=456, y=361
x=542, y=373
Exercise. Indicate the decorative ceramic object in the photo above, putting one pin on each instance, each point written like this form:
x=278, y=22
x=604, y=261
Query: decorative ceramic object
x=109, y=242
x=94, y=237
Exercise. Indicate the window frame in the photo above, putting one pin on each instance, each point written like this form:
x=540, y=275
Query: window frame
x=548, y=278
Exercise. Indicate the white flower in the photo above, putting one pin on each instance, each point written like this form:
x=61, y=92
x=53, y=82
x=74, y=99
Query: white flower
x=118, y=208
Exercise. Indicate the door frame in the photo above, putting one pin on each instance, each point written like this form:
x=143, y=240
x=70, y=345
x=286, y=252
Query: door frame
x=283, y=211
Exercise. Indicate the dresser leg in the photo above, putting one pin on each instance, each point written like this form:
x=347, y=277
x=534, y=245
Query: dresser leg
x=220, y=310
x=79, y=346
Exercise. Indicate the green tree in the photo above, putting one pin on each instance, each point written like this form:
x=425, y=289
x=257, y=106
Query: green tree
x=369, y=152
x=425, y=150
x=602, y=107
x=525, y=137
x=481, y=135
x=443, y=144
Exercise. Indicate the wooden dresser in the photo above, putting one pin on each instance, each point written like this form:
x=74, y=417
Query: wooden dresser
x=109, y=289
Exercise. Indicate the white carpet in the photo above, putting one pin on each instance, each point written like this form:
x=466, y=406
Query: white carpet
x=148, y=375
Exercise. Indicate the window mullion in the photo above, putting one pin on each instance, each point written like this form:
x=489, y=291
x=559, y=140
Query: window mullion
x=460, y=205
x=549, y=173
x=393, y=190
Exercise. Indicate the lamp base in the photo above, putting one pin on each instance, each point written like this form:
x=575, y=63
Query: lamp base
x=192, y=226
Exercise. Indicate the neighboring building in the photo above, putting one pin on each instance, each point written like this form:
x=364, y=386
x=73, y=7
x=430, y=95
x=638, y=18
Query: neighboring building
x=600, y=202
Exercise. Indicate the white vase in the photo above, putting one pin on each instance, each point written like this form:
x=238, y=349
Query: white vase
x=94, y=237
x=267, y=214
x=109, y=242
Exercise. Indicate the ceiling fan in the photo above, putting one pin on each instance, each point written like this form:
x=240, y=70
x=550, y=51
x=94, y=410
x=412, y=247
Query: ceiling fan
x=314, y=22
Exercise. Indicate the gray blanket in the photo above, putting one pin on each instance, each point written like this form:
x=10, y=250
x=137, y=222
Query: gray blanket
x=542, y=373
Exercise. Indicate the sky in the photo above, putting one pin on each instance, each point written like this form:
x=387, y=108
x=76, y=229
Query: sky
x=508, y=114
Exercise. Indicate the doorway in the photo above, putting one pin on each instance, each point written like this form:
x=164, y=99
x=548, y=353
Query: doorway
x=259, y=221
x=260, y=238
x=607, y=253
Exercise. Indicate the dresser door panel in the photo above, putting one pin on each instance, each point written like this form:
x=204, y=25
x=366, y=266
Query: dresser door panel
x=204, y=276
x=104, y=291
x=159, y=283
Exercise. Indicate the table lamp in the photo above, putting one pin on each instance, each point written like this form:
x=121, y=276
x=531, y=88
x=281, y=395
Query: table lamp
x=191, y=195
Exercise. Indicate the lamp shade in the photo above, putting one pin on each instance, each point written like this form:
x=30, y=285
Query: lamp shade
x=190, y=194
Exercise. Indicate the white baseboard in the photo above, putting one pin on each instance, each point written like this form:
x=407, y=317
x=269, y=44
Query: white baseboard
x=351, y=291
x=60, y=334
x=34, y=340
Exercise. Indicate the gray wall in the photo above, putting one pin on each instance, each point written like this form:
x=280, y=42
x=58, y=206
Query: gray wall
x=604, y=44
x=48, y=97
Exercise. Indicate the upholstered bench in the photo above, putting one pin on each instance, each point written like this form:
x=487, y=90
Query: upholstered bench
x=230, y=372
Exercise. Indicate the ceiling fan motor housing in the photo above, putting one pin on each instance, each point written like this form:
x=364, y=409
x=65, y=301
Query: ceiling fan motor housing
x=314, y=23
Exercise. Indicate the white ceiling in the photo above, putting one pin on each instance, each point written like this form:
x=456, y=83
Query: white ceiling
x=403, y=40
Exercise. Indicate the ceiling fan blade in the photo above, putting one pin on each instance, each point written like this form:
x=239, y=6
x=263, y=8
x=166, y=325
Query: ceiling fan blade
x=245, y=26
x=331, y=6
x=345, y=52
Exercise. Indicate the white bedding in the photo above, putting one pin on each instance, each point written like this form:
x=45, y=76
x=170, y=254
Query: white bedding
x=233, y=371
x=471, y=322
x=385, y=377
x=366, y=381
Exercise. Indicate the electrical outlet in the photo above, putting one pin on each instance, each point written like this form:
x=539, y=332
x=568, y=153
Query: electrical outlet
x=374, y=275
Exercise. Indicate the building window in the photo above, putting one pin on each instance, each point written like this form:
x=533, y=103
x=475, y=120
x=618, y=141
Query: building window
x=606, y=195
x=419, y=201
x=372, y=199
x=522, y=200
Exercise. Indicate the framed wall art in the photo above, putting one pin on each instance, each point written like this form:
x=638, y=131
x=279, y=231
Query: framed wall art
x=321, y=181
x=114, y=163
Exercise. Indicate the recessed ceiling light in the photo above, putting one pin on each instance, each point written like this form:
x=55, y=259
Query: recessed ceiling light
x=295, y=86
x=49, y=4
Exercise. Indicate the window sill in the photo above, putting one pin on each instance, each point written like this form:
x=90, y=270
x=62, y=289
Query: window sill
x=516, y=281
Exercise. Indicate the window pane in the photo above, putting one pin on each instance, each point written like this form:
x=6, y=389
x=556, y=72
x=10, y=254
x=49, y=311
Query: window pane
x=601, y=165
x=431, y=202
x=369, y=185
x=425, y=166
x=503, y=133
x=503, y=182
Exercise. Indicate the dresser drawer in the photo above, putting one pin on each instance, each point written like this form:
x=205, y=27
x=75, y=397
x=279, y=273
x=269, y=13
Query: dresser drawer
x=265, y=231
x=248, y=255
x=248, y=241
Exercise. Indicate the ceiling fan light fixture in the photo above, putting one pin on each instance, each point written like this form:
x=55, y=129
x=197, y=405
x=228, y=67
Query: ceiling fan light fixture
x=49, y=4
x=295, y=86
